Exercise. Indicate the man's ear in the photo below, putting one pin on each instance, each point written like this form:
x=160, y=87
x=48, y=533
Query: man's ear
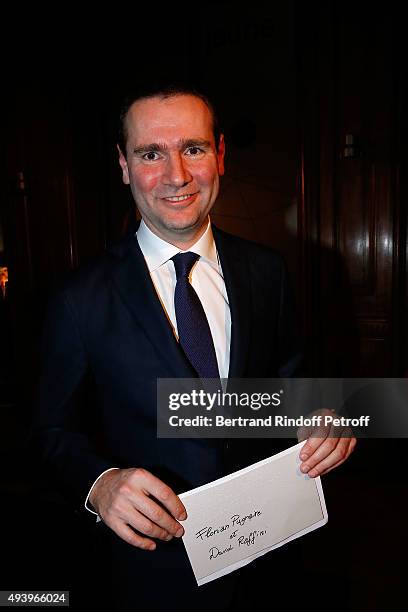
x=221, y=155
x=124, y=166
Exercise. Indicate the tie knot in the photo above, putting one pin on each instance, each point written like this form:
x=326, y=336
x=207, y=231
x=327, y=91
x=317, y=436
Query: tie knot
x=183, y=262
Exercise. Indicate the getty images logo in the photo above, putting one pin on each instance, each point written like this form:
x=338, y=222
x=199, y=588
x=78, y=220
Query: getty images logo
x=219, y=398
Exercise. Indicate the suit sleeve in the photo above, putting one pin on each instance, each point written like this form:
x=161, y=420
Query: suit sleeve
x=58, y=429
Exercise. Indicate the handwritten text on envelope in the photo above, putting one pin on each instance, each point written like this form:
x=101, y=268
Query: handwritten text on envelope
x=234, y=520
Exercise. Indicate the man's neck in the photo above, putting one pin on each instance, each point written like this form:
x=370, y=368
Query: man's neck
x=182, y=242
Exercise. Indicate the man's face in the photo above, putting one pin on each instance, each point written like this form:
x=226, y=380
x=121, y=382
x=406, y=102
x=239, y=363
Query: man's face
x=172, y=165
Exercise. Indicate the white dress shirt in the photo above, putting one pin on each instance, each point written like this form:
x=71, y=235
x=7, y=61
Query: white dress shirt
x=206, y=278
x=208, y=282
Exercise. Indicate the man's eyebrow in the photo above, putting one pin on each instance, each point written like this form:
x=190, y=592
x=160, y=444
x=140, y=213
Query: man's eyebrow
x=154, y=146
x=195, y=142
x=183, y=144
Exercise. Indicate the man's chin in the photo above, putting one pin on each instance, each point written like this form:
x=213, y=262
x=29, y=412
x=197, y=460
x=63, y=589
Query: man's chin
x=185, y=226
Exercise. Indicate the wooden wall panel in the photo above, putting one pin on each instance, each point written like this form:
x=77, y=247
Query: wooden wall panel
x=350, y=211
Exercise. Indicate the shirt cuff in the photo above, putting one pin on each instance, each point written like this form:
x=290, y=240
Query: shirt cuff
x=98, y=518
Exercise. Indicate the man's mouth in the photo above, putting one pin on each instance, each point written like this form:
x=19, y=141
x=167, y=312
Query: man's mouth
x=181, y=198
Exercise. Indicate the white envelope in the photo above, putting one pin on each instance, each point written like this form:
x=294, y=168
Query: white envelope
x=235, y=519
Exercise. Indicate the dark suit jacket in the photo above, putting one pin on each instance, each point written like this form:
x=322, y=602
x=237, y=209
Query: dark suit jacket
x=106, y=323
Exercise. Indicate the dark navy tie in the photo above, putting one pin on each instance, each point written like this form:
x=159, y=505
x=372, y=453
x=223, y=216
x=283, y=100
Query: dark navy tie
x=193, y=329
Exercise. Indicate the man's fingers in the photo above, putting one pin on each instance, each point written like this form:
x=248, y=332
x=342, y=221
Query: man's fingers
x=318, y=473
x=336, y=457
x=351, y=447
x=123, y=510
x=135, y=499
x=326, y=448
x=318, y=437
x=157, y=515
x=127, y=534
x=149, y=528
x=163, y=493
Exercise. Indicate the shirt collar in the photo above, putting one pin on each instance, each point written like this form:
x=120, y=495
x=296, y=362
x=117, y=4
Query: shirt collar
x=157, y=251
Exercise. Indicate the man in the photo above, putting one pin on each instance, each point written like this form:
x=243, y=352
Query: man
x=118, y=319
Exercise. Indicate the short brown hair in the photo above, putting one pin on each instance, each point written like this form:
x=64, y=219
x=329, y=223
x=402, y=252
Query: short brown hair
x=163, y=92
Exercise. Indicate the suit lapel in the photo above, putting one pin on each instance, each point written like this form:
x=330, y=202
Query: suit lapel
x=235, y=267
x=133, y=282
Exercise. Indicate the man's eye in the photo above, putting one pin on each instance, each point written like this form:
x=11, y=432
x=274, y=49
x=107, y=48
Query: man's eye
x=193, y=151
x=150, y=156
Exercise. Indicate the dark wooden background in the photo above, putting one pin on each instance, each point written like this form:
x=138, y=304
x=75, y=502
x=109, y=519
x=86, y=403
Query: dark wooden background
x=292, y=80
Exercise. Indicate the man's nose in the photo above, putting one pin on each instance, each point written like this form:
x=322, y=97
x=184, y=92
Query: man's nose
x=176, y=173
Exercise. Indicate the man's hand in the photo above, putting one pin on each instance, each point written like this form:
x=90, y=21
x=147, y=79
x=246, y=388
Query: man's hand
x=134, y=499
x=327, y=447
